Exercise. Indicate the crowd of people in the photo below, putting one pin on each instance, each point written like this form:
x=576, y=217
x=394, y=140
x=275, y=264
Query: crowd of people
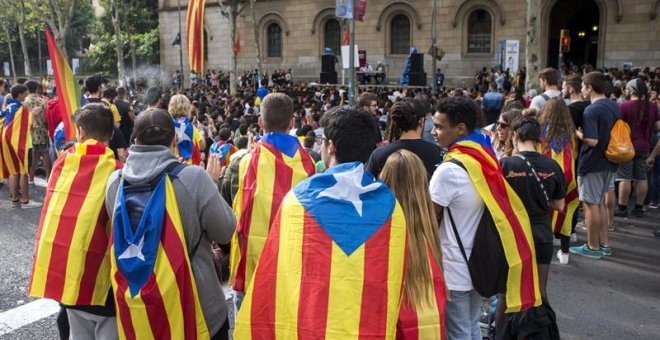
x=390, y=218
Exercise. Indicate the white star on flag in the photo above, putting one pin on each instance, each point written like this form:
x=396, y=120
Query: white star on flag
x=133, y=251
x=349, y=187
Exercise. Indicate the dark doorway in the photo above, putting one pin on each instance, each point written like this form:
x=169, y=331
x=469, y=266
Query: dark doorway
x=582, y=18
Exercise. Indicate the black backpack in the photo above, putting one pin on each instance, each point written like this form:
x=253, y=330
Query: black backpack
x=487, y=263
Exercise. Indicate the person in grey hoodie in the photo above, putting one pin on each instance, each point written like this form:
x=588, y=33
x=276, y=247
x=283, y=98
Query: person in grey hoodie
x=205, y=215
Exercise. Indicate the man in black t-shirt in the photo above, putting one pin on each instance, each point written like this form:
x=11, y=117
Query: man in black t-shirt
x=408, y=116
x=118, y=143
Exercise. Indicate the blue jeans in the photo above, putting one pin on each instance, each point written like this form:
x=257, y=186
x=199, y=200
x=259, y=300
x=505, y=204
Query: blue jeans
x=462, y=315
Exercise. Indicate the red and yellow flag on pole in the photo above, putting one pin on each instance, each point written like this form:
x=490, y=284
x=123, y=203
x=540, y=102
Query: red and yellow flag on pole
x=427, y=320
x=66, y=86
x=331, y=268
x=522, y=285
x=16, y=139
x=562, y=222
x=71, y=262
x=265, y=177
x=195, y=35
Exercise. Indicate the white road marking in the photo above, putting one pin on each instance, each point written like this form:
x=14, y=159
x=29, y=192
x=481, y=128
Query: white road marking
x=34, y=311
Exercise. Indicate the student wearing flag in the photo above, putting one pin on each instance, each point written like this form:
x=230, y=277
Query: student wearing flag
x=71, y=263
x=468, y=182
x=333, y=264
x=15, y=134
x=277, y=164
x=222, y=148
x=190, y=143
x=165, y=216
x=422, y=313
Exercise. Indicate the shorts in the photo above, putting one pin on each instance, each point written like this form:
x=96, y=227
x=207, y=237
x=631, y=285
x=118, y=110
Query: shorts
x=544, y=252
x=592, y=187
x=634, y=169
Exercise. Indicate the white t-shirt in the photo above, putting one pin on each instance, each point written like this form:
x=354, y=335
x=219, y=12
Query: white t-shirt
x=452, y=187
x=538, y=102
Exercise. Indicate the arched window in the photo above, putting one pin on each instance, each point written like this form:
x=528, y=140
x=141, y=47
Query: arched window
x=274, y=41
x=479, y=32
x=400, y=35
x=332, y=35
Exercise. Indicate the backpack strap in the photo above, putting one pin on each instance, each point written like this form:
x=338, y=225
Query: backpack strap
x=545, y=96
x=538, y=179
x=458, y=238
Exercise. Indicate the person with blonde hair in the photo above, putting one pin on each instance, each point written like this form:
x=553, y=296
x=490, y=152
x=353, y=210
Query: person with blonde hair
x=422, y=313
x=190, y=143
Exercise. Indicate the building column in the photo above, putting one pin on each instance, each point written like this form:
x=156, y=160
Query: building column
x=533, y=43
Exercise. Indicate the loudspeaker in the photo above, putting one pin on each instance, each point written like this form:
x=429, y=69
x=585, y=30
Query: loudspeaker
x=417, y=79
x=328, y=78
x=417, y=62
x=327, y=63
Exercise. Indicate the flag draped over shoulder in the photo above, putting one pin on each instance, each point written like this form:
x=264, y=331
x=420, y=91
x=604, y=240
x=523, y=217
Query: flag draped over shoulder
x=333, y=264
x=427, y=320
x=155, y=290
x=562, y=222
x=187, y=141
x=278, y=163
x=71, y=262
x=15, y=137
x=66, y=86
x=4, y=172
x=476, y=154
x=195, y=35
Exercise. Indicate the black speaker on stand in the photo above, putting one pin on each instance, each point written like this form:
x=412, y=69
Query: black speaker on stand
x=417, y=76
x=328, y=74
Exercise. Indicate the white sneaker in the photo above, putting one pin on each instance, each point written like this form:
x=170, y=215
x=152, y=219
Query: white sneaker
x=31, y=204
x=573, y=238
x=562, y=257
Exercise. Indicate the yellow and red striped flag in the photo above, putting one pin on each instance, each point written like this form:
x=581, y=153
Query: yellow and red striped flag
x=522, y=284
x=562, y=222
x=71, y=258
x=66, y=86
x=278, y=163
x=333, y=264
x=195, y=35
x=427, y=319
x=16, y=138
x=154, y=286
x=4, y=172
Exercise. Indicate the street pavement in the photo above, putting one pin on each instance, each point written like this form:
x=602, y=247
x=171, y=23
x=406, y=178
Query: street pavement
x=613, y=298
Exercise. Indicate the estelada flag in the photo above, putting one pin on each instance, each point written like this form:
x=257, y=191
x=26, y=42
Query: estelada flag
x=265, y=176
x=426, y=320
x=155, y=290
x=562, y=222
x=188, y=139
x=476, y=154
x=16, y=138
x=333, y=264
x=71, y=262
x=195, y=35
x=224, y=151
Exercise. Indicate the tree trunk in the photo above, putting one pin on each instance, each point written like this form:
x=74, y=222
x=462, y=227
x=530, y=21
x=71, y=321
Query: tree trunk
x=255, y=28
x=21, y=37
x=11, y=54
x=116, y=23
x=133, y=48
x=233, y=85
x=532, y=46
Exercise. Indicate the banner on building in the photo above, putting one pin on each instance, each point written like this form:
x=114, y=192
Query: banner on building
x=49, y=67
x=360, y=8
x=508, y=55
x=344, y=9
x=5, y=68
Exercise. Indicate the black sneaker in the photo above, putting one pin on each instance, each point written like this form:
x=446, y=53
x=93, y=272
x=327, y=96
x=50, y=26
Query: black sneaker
x=638, y=212
x=621, y=213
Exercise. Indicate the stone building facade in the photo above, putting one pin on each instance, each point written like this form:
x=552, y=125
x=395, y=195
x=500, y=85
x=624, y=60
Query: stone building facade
x=293, y=34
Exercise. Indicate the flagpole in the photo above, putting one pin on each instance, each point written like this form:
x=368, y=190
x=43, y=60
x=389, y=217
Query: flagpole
x=180, y=43
x=434, y=46
x=351, y=60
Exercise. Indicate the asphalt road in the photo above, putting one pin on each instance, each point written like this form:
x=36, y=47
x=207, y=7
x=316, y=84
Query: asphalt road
x=613, y=298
